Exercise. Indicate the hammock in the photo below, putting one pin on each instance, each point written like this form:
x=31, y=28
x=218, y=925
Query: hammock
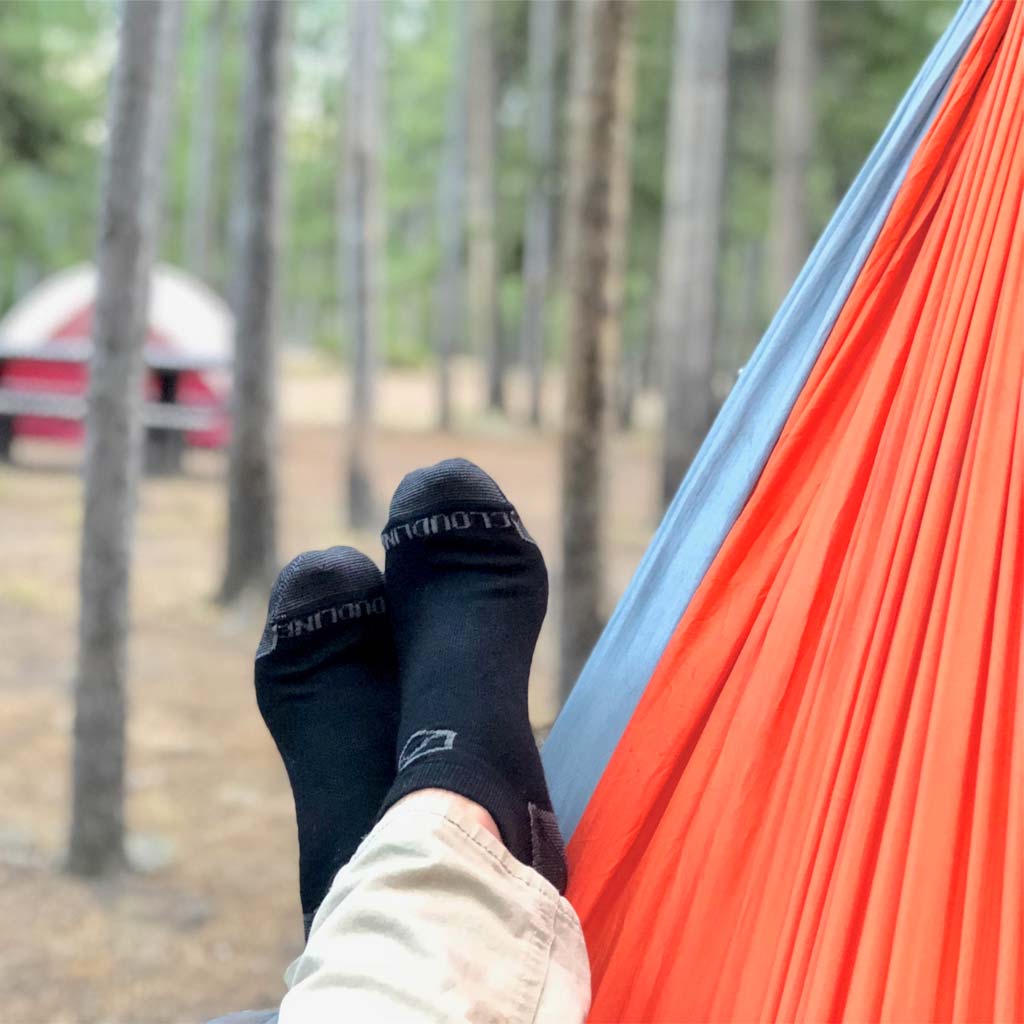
x=804, y=725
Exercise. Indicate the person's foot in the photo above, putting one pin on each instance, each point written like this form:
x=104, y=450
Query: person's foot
x=467, y=592
x=326, y=685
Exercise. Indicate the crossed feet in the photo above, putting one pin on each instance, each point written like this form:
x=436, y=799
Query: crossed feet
x=377, y=687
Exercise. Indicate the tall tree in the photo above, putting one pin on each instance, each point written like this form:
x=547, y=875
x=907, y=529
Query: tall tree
x=252, y=477
x=795, y=71
x=539, y=206
x=450, y=302
x=594, y=321
x=691, y=228
x=127, y=238
x=581, y=53
x=165, y=105
x=163, y=450
x=362, y=229
x=619, y=367
x=481, y=201
x=198, y=220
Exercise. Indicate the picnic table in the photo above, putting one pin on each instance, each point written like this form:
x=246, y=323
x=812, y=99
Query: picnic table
x=165, y=417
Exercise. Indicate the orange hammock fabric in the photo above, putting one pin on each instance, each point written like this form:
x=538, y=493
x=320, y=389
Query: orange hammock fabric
x=817, y=809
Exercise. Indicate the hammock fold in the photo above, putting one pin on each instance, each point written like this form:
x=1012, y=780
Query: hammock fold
x=808, y=801
x=738, y=445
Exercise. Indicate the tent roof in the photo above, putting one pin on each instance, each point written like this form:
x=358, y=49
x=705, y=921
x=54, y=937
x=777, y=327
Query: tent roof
x=183, y=310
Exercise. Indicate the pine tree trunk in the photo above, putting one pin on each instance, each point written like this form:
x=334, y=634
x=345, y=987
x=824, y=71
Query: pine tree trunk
x=796, y=67
x=485, y=334
x=539, y=207
x=165, y=110
x=363, y=232
x=691, y=229
x=621, y=196
x=450, y=310
x=252, y=472
x=581, y=55
x=751, y=302
x=632, y=369
x=163, y=451
x=202, y=163
x=128, y=215
x=594, y=312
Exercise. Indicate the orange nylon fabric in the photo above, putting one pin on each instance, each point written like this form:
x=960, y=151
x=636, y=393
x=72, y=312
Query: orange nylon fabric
x=817, y=810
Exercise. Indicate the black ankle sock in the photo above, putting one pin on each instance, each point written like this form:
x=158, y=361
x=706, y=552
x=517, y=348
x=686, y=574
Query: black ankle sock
x=327, y=687
x=467, y=592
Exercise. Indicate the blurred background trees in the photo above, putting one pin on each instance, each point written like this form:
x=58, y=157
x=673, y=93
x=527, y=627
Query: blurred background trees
x=538, y=234
x=607, y=196
x=128, y=226
x=449, y=318
x=598, y=221
x=197, y=215
x=252, y=468
x=796, y=67
x=362, y=230
x=55, y=60
x=686, y=318
x=481, y=200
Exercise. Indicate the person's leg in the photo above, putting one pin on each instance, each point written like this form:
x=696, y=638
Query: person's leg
x=441, y=915
x=433, y=920
x=327, y=687
x=467, y=591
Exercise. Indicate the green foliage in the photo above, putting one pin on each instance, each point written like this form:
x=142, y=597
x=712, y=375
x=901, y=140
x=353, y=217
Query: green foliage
x=55, y=58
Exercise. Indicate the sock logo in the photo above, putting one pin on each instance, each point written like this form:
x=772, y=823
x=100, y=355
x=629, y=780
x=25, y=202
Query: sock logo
x=443, y=522
x=425, y=741
x=330, y=616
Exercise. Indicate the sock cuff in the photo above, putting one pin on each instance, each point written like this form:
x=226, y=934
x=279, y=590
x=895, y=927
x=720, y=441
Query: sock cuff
x=529, y=831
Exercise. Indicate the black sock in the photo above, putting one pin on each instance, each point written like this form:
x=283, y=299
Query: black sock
x=467, y=591
x=327, y=687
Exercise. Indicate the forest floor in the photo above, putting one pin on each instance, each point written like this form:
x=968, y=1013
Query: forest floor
x=209, y=918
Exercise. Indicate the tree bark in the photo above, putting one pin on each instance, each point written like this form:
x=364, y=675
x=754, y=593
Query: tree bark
x=796, y=67
x=581, y=55
x=539, y=208
x=252, y=474
x=165, y=109
x=481, y=200
x=691, y=229
x=594, y=315
x=202, y=163
x=163, y=450
x=450, y=311
x=621, y=196
x=363, y=232
x=128, y=215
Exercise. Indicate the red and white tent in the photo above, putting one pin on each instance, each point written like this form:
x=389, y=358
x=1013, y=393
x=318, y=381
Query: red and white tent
x=187, y=323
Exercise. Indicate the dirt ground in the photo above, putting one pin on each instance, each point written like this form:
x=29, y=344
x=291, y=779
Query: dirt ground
x=209, y=918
